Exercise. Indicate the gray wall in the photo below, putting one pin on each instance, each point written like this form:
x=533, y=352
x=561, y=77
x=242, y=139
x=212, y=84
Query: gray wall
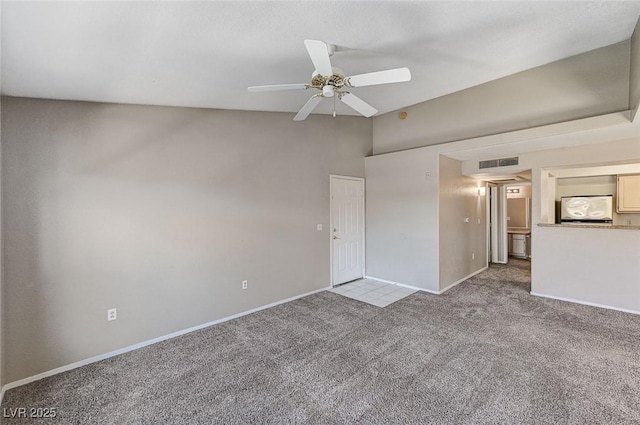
x=411, y=234
x=585, y=85
x=600, y=266
x=634, y=80
x=402, y=218
x=462, y=246
x=160, y=213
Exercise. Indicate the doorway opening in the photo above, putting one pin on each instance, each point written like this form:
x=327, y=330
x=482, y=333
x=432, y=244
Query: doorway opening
x=509, y=212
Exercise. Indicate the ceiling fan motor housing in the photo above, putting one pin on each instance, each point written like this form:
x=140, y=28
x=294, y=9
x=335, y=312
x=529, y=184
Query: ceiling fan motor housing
x=337, y=79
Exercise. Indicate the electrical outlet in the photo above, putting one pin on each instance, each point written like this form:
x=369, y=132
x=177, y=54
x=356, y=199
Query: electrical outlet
x=245, y=284
x=319, y=227
x=112, y=314
x=629, y=222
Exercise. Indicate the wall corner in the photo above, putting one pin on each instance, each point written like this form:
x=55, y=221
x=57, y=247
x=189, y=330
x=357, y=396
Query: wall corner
x=634, y=72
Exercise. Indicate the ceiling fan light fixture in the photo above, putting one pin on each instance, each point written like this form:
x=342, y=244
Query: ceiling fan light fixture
x=332, y=82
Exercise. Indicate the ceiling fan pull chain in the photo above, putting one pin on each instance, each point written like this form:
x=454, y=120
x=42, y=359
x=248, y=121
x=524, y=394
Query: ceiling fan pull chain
x=334, y=106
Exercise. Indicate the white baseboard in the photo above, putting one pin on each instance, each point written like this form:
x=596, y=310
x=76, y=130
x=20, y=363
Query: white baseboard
x=94, y=359
x=570, y=300
x=404, y=285
x=442, y=291
x=431, y=291
x=382, y=280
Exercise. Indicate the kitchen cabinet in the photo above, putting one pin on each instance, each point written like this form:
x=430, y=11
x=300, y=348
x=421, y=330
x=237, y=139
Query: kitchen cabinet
x=628, y=193
x=519, y=246
x=518, y=242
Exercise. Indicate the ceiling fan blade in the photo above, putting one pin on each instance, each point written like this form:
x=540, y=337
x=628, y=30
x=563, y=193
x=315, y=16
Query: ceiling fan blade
x=397, y=75
x=358, y=104
x=319, y=53
x=308, y=108
x=276, y=87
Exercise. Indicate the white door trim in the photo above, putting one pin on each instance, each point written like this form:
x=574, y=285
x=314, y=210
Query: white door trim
x=499, y=236
x=364, y=224
x=493, y=229
x=502, y=220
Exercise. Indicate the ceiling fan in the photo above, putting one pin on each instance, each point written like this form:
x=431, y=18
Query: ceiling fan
x=331, y=82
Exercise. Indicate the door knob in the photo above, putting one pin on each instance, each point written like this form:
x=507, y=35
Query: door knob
x=335, y=237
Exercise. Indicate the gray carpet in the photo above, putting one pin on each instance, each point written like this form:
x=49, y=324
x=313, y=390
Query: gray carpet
x=486, y=352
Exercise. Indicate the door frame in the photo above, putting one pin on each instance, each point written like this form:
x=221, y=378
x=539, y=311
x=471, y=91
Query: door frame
x=333, y=177
x=490, y=219
x=498, y=229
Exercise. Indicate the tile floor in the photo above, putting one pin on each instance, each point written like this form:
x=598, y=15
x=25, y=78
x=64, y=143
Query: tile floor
x=373, y=292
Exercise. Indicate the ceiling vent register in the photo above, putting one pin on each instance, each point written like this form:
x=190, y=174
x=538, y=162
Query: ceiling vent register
x=502, y=162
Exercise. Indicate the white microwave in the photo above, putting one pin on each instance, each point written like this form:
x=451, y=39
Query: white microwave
x=596, y=208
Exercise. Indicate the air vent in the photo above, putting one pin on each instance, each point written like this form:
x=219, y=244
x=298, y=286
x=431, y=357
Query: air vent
x=508, y=161
x=502, y=162
x=491, y=163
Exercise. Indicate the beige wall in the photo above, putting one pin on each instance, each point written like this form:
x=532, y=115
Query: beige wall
x=462, y=245
x=634, y=83
x=600, y=266
x=160, y=213
x=407, y=227
x=402, y=218
x=585, y=85
x=518, y=213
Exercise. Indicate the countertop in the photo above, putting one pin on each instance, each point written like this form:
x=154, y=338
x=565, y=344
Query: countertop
x=519, y=231
x=590, y=226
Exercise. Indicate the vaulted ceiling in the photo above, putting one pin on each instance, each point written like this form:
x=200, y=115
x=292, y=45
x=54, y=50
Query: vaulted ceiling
x=205, y=54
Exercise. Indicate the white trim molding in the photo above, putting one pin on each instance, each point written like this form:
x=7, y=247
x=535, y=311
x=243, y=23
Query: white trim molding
x=570, y=300
x=430, y=291
x=404, y=285
x=442, y=291
x=100, y=357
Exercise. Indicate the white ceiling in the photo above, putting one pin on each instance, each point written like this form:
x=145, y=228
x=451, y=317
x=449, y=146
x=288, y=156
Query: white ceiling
x=205, y=54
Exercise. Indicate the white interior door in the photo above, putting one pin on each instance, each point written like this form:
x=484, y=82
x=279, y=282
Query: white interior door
x=347, y=229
